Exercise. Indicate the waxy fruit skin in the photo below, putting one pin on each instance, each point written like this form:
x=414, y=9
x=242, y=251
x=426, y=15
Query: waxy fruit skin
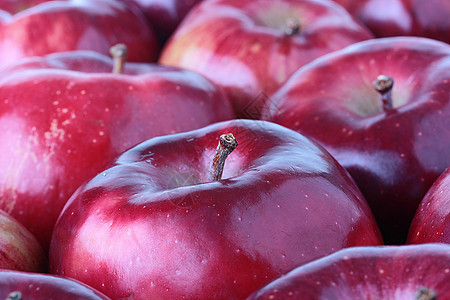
x=19, y=249
x=383, y=272
x=57, y=26
x=164, y=15
x=431, y=224
x=44, y=286
x=59, y=127
x=242, y=45
x=425, y=18
x=395, y=155
x=154, y=226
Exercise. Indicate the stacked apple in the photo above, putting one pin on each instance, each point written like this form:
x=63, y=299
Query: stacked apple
x=270, y=136
x=403, y=17
x=39, y=27
x=250, y=48
x=164, y=15
x=382, y=109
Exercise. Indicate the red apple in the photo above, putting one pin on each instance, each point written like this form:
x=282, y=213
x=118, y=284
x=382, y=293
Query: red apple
x=56, y=26
x=394, y=151
x=20, y=285
x=426, y=18
x=420, y=272
x=59, y=127
x=19, y=249
x=16, y=6
x=250, y=48
x=431, y=224
x=161, y=223
x=164, y=15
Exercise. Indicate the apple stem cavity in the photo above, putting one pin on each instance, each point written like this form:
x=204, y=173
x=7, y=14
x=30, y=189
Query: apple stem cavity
x=15, y=295
x=292, y=27
x=119, y=53
x=424, y=293
x=383, y=85
x=227, y=143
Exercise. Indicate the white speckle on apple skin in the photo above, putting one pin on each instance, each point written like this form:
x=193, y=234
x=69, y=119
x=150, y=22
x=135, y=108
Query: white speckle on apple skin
x=256, y=47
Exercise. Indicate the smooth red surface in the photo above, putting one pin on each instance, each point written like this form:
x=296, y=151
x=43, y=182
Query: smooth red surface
x=431, y=224
x=153, y=226
x=241, y=45
x=426, y=18
x=165, y=15
x=16, y=6
x=394, y=157
x=45, y=286
x=56, y=26
x=59, y=127
x=389, y=272
x=19, y=249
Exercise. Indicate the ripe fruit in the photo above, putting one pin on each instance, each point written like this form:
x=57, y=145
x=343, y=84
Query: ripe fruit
x=250, y=48
x=59, y=127
x=389, y=272
x=57, y=26
x=431, y=224
x=157, y=224
x=19, y=249
x=395, y=141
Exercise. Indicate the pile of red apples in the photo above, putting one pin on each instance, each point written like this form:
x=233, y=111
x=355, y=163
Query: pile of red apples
x=225, y=149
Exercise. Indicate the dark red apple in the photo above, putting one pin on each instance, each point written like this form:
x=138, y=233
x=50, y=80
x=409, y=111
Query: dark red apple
x=16, y=6
x=164, y=15
x=250, y=48
x=162, y=223
x=56, y=26
x=59, y=127
x=20, y=285
x=431, y=224
x=394, y=142
x=19, y=249
x=426, y=18
x=416, y=272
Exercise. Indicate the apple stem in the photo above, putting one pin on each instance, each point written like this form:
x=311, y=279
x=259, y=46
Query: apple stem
x=15, y=295
x=227, y=143
x=119, y=53
x=424, y=293
x=292, y=26
x=383, y=85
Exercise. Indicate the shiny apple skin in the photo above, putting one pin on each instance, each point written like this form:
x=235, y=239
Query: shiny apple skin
x=19, y=249
x=394, y=157
x=154, y=226
x=165, y=15
x=57, y=26
x=431, y=224
x=45, y=286
x=426, y=18
x=231, y=43
x=383, y=272
x=59, y=127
